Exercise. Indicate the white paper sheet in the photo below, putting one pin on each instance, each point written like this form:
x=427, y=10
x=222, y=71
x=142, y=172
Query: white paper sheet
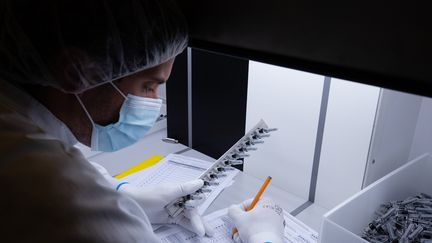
x=176, y=168
x=295, y=231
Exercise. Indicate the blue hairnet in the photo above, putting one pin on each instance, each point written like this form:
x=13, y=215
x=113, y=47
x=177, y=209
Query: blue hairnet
x=74, y=45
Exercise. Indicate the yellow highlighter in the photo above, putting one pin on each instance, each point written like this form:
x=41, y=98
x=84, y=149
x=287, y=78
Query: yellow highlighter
x=256, y=199
x=140, y=166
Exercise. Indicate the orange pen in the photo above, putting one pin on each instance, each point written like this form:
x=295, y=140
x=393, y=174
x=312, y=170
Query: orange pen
x=256, y=199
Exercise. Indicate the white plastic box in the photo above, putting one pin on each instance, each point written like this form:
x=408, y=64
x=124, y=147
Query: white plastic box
x=345, y=222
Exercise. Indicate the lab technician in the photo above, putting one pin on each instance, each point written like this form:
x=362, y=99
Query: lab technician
x=88, y=71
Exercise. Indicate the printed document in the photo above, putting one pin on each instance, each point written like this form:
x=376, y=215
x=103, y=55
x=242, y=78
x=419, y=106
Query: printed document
x=295, y=231
x=176, y=168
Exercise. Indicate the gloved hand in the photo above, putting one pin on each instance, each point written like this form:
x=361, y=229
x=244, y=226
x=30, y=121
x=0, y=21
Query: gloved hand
x=264, y=223
x=154, y=199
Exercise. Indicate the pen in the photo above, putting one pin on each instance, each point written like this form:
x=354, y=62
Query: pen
x=256, y=199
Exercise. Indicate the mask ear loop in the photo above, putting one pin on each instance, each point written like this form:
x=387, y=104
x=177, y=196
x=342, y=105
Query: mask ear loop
x=85, y=109
x=115, y=87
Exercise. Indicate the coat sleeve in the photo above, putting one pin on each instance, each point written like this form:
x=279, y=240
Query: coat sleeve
x=111, y=180
x=50, y=193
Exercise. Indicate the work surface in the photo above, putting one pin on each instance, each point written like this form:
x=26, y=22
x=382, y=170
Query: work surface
x=244, y=187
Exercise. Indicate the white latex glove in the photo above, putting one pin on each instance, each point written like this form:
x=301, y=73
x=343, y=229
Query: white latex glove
x=154, y=199
x=264, y=223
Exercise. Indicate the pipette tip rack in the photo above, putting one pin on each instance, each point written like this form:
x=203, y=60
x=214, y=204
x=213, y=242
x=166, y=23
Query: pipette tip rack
x=233, y=156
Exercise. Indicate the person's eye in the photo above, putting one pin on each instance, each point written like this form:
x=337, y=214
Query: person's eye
x=151, y=88
x=148, y=88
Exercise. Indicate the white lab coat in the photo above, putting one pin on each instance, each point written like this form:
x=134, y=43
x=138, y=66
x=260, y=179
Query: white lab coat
x=49, y=191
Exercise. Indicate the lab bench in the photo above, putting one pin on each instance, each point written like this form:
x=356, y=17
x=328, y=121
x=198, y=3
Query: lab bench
x=244, y=186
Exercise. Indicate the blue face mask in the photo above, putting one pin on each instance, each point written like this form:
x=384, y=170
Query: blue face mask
x=137, y=117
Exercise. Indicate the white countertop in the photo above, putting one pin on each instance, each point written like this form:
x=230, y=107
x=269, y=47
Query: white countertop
x=244, y=187
x=119, y=161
